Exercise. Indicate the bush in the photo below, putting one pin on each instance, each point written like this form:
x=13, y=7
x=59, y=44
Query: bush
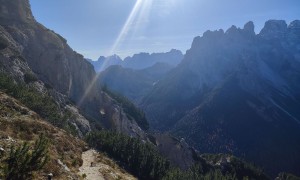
x=84, y=176
x=30, y=77
x=3, y=43
x=22, y=161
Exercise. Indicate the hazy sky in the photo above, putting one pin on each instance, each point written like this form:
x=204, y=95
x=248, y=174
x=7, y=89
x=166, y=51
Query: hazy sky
x=125, y=27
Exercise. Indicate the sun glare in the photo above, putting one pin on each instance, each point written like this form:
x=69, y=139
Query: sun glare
x=136, y=18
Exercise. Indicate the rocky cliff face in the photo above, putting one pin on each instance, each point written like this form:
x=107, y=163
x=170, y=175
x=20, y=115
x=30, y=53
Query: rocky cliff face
x=15, y=12
x=27, y=47
x=236, y=92
x=47, y=53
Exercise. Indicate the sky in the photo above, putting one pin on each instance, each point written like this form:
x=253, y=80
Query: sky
x=125, y=27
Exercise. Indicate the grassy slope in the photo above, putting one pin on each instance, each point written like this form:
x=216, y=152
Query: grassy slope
x=19, y=124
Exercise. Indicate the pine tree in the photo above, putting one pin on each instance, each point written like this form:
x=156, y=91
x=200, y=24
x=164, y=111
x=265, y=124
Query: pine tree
x=23, y=161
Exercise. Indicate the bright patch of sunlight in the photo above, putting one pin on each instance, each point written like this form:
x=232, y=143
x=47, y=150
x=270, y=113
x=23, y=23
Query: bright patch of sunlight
x=138, y=16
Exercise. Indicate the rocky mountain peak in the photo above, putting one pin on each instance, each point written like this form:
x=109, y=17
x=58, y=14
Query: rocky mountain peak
x=249, y=28
x=207, y=40
x=274, y=29
x=213, y=34
x=294, y=28
x=175, y=51
x=101, y=58
x=114, y=58
x=15, y=11
x=295, y=25
x=232, y=30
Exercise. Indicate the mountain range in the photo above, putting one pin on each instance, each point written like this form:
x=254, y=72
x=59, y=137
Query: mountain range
x=138, y=61
x=234, y=92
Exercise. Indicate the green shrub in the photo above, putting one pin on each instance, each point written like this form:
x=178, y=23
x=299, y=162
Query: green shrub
x=3, y=43
x=22, y=161
x=30, y=77
x=84, y=176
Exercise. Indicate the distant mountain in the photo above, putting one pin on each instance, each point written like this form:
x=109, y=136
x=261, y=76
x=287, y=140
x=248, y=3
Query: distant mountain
x=134, y=84
x=144, y=60
x=236, y=92
x=138, y=61
x=104, y=62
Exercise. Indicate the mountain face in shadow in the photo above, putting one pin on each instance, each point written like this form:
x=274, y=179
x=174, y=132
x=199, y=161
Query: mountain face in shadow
x=135, y=76
x=134, y=84
x=236, y=92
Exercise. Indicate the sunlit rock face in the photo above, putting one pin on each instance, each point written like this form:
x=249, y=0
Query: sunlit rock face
x=27, y=46
x=236, y=91
x=47, y=53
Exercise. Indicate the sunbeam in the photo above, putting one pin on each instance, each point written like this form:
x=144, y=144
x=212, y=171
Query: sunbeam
x=139, y=12
x=127, y=25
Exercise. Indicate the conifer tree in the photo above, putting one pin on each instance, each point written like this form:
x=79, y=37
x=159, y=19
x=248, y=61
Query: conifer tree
x=22, y=161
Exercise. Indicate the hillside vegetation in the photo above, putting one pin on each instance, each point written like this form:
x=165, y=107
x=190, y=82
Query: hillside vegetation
x=144, y=161
x=132, y=112
x=19, y=125
x=43, y=104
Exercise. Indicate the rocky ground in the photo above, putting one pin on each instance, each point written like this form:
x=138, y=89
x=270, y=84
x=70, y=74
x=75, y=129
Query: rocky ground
x=98, y=166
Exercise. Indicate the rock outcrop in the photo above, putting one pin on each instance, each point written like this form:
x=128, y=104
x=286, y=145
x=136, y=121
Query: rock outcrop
x=274, y=29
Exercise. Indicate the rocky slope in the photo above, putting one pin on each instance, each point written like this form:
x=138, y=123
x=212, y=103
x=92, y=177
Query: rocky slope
x=31, y=53
x=103, y=168
x=237, y=92
x=19, y=124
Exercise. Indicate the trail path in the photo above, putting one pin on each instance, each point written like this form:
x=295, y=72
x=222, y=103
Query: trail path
x=92, y=173
x=102, y=167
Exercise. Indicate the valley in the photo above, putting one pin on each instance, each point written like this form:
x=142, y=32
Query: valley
x=228, y=108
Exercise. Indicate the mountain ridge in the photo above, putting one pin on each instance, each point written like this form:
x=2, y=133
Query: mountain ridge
x=138, y=61
x=256, y=74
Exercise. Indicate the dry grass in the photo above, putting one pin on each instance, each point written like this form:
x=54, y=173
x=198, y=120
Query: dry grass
x=19, y=124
